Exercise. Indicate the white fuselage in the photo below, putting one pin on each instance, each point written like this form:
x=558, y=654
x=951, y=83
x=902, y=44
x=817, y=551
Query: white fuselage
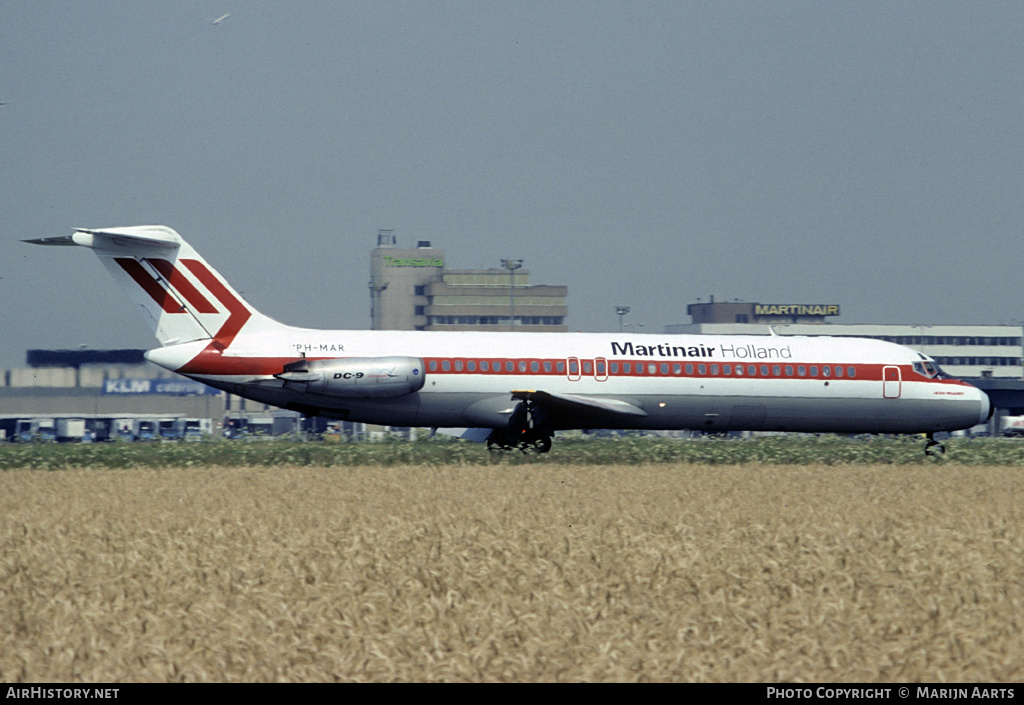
x=679, y=381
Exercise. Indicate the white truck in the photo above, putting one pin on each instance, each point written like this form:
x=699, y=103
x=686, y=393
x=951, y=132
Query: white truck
x=1012, y=426
x=70, y=430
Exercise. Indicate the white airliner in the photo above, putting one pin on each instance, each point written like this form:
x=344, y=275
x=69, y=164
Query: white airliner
x=514, y=390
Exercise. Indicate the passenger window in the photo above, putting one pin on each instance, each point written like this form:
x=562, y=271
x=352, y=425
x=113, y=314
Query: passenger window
x=560, y=367
x=801, y=370
x=851, y=371
x=522, y=365
x=702, y=369
x=587, y=367
x=689, y=368
x=827, y=371
x=664, y=368
x=814, y=370
x=752, y=370
x=534, y=366
x=764, y=370
x=547, y=365
x=458, y=365
x=510, y=366
x=739, y=370
x=714, y=369
x=615, y=368
x=483, y=366
x=839, y=371
x=446, y=365
x=789, y=370
x=651, y=367
x=727, y=369
x=433, y=366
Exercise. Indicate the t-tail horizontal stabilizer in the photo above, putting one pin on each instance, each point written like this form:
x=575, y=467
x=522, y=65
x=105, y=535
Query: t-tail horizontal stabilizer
x=181, y=297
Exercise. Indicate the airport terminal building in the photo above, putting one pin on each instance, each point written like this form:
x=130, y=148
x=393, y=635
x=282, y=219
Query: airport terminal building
x=102, y=395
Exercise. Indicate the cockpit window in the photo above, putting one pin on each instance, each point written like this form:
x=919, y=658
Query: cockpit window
x=928, y=369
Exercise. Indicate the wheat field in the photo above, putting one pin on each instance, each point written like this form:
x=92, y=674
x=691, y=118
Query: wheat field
x=494, y=572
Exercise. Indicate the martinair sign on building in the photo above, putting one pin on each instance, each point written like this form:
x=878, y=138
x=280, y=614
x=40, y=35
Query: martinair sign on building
x=796, y=310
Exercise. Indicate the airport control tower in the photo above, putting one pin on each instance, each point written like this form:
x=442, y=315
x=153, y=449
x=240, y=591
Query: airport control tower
x=398, y=282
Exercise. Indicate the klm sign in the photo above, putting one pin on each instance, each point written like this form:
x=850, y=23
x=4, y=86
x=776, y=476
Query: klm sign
x=178, y=387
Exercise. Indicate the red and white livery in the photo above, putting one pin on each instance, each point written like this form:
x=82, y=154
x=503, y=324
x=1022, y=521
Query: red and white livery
x=517, y=389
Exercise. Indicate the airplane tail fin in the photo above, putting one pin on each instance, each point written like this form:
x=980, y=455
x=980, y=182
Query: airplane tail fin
x=181, y=296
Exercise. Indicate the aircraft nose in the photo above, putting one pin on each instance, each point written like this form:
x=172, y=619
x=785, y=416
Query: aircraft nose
x=987, y=409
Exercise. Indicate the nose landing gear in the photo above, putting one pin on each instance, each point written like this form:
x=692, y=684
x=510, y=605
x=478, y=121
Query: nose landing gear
x=933, y=447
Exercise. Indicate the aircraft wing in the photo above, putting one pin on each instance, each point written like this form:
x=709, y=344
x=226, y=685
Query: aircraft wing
x=579, y=405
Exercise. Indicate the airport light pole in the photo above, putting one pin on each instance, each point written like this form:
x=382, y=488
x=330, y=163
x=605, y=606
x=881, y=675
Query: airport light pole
x=622, y=311
x=511, y=265
x=375, y=305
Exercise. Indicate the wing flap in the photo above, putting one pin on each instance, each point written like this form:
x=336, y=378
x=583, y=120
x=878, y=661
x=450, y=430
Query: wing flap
x=476, y=435
x=579, y=405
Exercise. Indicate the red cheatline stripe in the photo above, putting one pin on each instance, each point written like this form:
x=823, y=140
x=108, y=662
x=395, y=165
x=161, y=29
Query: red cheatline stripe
x=210, y=357
x=178, y=280
x=151, y=286
x=210, y=362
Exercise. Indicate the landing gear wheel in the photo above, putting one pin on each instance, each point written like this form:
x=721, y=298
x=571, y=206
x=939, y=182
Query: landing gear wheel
x=934, y=448
x=541, y=444
x=498, y=447
x=526, y=430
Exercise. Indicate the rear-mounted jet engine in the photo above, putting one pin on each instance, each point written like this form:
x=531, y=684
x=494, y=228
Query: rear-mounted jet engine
x=355, y=376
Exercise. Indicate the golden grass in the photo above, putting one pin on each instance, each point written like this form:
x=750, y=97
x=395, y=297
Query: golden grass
x=513, y=573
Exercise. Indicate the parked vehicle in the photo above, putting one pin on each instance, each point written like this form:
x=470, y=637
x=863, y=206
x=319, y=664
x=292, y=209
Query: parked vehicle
x=1012, y=426
x=169, y=429
x=194, y=429
x=146, y=430
x=70, y=430
x=36, y=429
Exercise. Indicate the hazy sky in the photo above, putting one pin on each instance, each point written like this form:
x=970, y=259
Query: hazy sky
x=646, y=154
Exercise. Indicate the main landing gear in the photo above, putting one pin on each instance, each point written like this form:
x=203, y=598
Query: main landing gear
x=501, y=442
x=526, y=431
x=933, y=447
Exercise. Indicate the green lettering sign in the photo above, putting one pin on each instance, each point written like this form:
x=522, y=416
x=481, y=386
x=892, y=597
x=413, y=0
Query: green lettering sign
x=413, y=262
